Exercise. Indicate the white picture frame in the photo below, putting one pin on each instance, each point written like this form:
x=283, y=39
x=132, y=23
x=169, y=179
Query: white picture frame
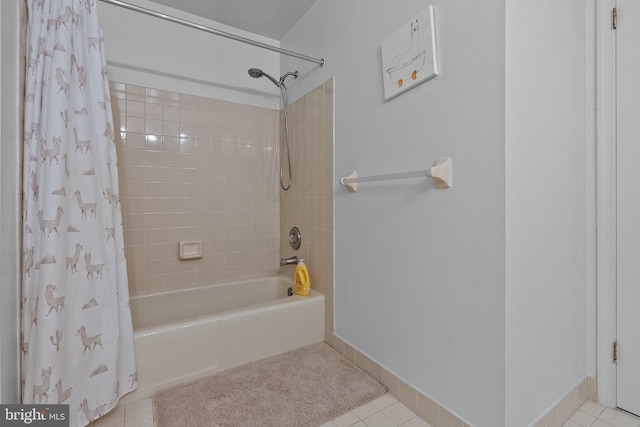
x=409, y=55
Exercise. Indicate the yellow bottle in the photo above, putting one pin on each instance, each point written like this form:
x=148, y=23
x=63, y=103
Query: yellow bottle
x=302, y=284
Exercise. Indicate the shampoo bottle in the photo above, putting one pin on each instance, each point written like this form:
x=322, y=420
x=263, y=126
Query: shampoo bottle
x=302, y=284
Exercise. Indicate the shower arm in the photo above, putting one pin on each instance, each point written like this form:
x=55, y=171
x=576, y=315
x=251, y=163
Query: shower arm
x=284, y=77
x=212, y=31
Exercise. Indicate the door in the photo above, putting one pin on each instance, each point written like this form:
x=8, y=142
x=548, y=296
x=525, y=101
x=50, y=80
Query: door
x=628, y=205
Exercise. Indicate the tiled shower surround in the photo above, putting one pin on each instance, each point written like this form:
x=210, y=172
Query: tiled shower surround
x=194, y=168
x=308, y=204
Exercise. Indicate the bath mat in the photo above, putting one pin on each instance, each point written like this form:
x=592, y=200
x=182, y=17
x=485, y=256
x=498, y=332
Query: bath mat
x=306, y=387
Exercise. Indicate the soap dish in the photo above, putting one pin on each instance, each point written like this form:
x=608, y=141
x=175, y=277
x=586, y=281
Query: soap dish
x=190, y=250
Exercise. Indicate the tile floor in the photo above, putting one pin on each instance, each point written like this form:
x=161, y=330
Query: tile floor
x=385, y=411
x=592, y=414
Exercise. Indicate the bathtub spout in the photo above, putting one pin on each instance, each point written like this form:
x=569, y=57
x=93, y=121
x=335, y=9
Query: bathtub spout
x=288, y=261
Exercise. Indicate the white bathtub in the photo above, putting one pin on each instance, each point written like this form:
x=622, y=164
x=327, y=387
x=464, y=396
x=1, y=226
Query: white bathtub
x=186, y=334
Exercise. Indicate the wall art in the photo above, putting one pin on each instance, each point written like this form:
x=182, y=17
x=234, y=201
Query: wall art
x=409, y=55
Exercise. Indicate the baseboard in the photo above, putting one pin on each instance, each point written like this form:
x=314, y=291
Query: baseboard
x=566, y=406
x=438, y=415
x=426, y=408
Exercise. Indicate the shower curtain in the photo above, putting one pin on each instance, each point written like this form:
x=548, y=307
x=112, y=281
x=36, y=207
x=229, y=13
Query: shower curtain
x=77, y=336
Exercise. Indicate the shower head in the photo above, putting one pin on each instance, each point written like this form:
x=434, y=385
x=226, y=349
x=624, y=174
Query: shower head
x=257, y=73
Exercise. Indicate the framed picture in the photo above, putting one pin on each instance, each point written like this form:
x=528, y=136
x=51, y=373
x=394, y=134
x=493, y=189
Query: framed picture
x=409, y=55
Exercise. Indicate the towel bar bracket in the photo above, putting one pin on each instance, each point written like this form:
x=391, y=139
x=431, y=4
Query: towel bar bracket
x=441, y=173
x=349, y=182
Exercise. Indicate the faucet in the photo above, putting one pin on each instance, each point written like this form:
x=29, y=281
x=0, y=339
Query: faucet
x=288, y=261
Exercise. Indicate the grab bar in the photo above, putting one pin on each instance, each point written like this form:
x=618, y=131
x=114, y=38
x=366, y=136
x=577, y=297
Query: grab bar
x=440, y=172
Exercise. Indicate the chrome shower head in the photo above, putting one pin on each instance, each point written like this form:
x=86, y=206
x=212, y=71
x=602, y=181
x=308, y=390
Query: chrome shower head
x=257, y=73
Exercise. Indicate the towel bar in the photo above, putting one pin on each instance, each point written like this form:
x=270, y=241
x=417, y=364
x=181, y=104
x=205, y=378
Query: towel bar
x=440, y=172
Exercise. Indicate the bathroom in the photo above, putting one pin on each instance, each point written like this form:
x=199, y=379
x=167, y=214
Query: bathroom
x=482, y=296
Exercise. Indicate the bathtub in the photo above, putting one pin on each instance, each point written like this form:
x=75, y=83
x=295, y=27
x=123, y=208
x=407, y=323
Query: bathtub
x=186, y=334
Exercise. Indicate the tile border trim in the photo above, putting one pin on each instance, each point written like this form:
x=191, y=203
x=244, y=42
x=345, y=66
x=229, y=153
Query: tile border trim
x=566, y=406
x=425, y=407
x=439, y=416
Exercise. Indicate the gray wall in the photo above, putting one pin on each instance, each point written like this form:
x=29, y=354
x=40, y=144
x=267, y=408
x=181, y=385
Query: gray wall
x=548, y=79
x=476, y=295
x=419, y=272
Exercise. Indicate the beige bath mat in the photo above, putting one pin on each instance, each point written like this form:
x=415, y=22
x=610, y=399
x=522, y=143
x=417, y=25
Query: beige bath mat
x=305, y=387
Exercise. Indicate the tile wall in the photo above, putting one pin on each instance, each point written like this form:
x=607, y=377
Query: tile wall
x=308, y=204
x=194, y=168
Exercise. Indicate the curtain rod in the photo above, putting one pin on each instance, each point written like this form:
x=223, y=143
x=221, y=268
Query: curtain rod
x=212, y=30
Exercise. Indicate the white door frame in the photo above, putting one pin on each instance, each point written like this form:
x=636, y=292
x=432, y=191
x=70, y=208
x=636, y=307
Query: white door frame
x=606, y=202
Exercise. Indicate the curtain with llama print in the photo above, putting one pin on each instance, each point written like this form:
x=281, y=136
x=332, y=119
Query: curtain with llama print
x=77, y=336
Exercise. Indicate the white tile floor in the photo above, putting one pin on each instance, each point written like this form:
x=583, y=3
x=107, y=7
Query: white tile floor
x=592, y=414
x=385, y=411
